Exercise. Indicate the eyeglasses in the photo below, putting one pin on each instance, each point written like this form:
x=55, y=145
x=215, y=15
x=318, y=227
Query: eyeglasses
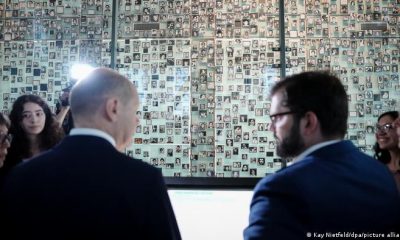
x=275, y=116
x=396, y=123
x=384, y=128
x=4, y=138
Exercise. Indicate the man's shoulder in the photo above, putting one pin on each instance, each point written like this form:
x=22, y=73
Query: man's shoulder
x=77, y=152
x=114, y=168
x=283, y=176
x=344, y=152
x=335, y=150
x=333, y=161
x=136, y=163
x=315, y=160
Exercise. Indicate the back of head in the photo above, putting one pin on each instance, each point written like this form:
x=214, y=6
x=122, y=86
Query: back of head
x=319, y=92
x=89, y=93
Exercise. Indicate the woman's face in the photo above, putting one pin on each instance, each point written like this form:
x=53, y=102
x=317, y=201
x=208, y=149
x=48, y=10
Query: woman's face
x=386, y=135
x=4, y=144
x=33, y=119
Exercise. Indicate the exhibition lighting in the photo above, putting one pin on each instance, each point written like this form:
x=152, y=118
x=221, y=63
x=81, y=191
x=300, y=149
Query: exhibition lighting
x=79, y=71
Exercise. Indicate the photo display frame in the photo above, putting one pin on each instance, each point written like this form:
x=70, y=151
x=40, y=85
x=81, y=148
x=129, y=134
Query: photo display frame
x=204, y=68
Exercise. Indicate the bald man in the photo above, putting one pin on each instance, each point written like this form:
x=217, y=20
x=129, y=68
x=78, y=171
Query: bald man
x=85, y=187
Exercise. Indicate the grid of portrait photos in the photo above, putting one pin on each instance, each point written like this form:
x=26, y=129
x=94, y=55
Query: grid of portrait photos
x=204, y=68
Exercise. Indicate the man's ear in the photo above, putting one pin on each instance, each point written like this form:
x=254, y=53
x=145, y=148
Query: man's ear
x=310, y=123
x=111, y=109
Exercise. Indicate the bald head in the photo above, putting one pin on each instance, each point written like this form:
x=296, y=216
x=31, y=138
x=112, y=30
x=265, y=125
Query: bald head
x=107, y=101
x=90, y=93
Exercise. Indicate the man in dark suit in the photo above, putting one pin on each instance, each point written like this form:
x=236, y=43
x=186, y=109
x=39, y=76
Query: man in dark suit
x=331, y=187
x=84, y=187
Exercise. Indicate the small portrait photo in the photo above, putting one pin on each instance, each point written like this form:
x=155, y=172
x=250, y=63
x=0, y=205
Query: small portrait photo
x=252, y=122
x=261, y=161
x=235, y=174
x=136, y=57
x=271, y=145
x=243, y=118
x=238, y=130
x=384, y=94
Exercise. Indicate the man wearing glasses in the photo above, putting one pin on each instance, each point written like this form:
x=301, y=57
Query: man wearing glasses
x=331, y=187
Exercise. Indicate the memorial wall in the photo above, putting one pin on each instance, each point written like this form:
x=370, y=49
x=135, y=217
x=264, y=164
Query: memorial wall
x=204, y=68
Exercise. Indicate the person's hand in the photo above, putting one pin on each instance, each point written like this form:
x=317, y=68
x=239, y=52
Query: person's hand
x=64, y=99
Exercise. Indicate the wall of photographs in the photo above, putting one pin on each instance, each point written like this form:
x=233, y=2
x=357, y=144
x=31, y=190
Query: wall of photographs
x=204, y=68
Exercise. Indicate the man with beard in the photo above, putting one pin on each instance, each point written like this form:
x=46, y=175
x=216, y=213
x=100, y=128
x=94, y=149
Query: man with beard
x=331, y=187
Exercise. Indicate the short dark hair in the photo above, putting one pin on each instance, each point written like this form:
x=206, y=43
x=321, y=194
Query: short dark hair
x=4, y=120
x=320, y=92
x=383, y=155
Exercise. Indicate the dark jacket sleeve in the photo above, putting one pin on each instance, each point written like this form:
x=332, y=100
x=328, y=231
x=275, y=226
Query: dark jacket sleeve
x=273, y=213
x=162, y=222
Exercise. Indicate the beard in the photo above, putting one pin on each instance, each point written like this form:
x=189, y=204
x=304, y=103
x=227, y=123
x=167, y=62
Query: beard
x=291, y=145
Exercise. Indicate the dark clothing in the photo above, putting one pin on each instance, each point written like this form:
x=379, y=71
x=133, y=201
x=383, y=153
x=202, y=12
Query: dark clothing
x=334, y=189
x=84, y=188
x=12, y=159
x=20, y=150
x=68, y=122
x=396, y=176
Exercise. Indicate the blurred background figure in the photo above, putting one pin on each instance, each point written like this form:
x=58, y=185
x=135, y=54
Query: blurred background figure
x=5, y=137
x=386, y=147
x=34, y=129
x=63, y=113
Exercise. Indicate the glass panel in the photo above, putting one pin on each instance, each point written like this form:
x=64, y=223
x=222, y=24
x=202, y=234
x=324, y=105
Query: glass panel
x=204, y=68
x=358, y=40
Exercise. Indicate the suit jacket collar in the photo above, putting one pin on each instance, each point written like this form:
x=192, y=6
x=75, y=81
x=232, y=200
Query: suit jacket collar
x=87, y=142
x=334, y=149
x=314, y=148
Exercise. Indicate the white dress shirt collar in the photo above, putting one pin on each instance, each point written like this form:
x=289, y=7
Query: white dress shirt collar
x=93, y=132
x=314, y=148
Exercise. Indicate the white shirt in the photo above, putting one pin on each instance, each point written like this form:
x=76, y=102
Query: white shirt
x=93, y=132
x=314, y=148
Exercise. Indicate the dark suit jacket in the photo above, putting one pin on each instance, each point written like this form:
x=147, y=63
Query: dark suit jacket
x=85, y=189
x=335, y=188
